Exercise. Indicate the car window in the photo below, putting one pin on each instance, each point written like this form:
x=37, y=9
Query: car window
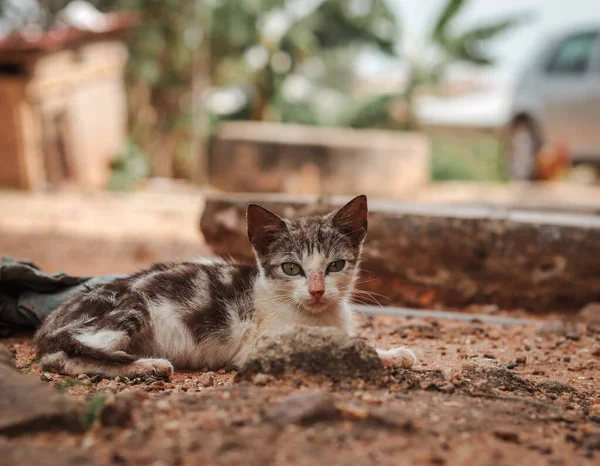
x=573, y=54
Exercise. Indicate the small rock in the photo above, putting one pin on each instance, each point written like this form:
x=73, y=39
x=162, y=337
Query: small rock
x=567, y=359
x=543, y=449
x=207, y=379
x=117, y=412
x=113, y=386
x=527, y=347
x=490, y=309
x=559, y=342
x=88, y=442
x=118, y=458
x=573, y=336
x=391, y=417
x=512, y=365
x=83, y=377
x=353, y=412
x=494, y=335
x=262, y=379
x=303, y=408
x=163, y=405
x=594, y=418
x=489, y=356
x=576, y=367
x=590, y=313
x=591, y=441
x=172, y=426
x=521, y=360
x=571, y=438
x=596, y=350
x=555, y=327
x=447, y=388
x=507, y=436
x=488, y=375
x=554, y=387
x=97, y=378
x=46, y=377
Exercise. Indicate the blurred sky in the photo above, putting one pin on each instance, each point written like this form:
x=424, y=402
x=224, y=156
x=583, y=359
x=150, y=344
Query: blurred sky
x=417, y=17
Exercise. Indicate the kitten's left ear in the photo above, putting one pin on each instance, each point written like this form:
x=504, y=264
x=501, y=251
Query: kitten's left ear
x=352, y=219
x=263, y=227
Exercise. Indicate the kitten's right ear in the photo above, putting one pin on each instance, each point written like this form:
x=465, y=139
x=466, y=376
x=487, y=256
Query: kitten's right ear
x=263, y=227
x=351, y=219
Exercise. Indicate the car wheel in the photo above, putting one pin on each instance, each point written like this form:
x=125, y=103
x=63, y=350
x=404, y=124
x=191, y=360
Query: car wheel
x=522, y=151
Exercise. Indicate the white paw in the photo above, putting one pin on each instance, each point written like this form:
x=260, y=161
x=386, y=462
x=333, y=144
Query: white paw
x=398, y=357
x=152, y=367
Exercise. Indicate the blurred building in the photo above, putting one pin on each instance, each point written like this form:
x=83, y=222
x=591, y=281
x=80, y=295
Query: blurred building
x=62, y=104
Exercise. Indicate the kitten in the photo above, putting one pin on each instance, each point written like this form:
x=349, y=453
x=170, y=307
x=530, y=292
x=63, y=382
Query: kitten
x=209, y=313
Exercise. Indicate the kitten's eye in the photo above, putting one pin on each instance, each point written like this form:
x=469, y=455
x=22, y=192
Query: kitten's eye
x=336, y=266
x=290, y=268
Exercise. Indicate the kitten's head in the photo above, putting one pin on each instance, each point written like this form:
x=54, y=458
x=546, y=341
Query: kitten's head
x=310, y=263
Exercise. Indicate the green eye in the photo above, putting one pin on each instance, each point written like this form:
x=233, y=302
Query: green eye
x=336, y=266
x=290, y=268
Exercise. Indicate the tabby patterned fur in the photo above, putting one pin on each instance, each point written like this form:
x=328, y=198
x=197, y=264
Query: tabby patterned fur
x=209, y=313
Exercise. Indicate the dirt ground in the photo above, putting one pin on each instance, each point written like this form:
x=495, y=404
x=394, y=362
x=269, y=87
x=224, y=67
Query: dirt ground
x=481, y=394
x=539, y=404
x=101, y=233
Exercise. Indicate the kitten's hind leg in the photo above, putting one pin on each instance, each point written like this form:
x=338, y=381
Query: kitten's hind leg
x=398, y=357
x=102, y=352
x=145, y=367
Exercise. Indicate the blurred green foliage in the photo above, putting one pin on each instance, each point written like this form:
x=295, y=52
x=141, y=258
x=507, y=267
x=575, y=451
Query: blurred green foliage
x=280, y=60
x=474, y=157
x=128, y=168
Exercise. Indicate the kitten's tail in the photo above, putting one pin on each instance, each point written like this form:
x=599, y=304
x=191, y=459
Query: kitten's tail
x=67, y=343
x=77, y=349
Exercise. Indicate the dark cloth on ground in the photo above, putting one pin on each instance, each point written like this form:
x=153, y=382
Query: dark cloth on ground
x=28, y=295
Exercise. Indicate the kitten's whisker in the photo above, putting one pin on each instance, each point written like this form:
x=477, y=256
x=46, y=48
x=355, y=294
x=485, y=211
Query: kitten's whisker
x=372, y=293
x=370, y=298
x=362, y=282
x=364, y=294
x=367, y=300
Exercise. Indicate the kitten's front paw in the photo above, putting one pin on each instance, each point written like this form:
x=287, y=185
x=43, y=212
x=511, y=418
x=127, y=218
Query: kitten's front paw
x=152, y=367
x=398, y=357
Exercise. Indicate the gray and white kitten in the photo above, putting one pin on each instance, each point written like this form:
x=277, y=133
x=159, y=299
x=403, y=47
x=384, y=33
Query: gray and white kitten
x=209, y=313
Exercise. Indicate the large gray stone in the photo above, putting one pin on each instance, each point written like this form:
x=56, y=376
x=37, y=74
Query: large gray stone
x=20, y=454
x=27, y=405
x=324, y=351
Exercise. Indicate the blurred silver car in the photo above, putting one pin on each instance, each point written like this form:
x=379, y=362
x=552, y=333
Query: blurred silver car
x=556, y=104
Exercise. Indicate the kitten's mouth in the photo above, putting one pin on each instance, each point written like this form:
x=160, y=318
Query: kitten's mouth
x=314, y=305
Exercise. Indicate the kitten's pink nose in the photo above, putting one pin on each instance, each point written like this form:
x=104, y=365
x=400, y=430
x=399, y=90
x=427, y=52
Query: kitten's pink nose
x=317, y=294
x=316, y=286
